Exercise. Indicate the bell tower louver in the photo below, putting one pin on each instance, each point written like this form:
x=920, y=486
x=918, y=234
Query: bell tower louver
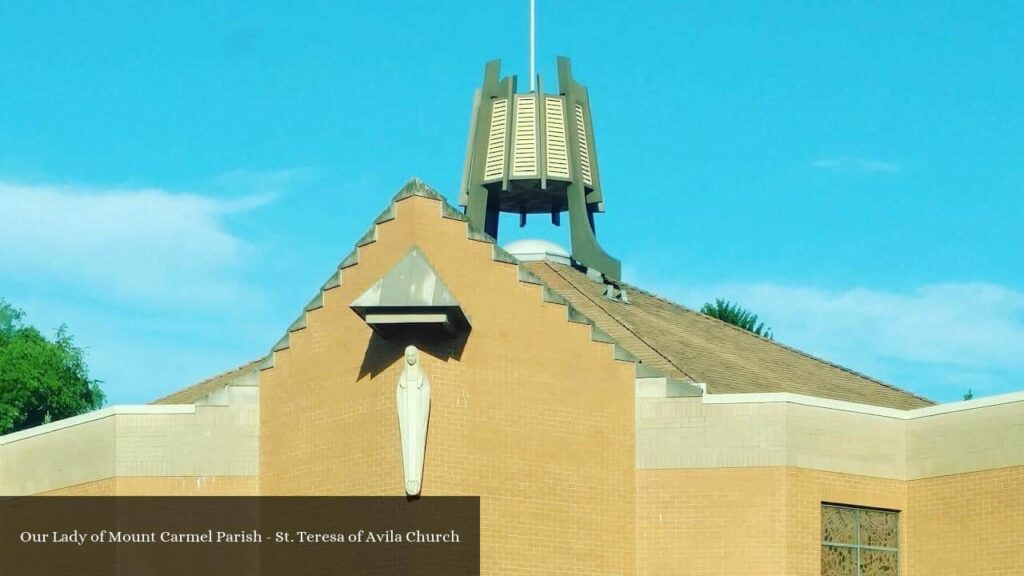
x=534, y=153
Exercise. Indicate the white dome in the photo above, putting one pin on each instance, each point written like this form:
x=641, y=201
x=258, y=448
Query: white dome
x=533, y=249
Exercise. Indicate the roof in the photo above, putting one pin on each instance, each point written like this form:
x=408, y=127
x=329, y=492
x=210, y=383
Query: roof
x=666, y=337
x=198, y=391
x=694, y=347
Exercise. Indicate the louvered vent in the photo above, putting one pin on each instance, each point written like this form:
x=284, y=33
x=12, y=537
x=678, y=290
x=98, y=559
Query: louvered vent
x=581, y=134
x=536, y=153
x=524, y=148
x=494, y=169
x=557, y=158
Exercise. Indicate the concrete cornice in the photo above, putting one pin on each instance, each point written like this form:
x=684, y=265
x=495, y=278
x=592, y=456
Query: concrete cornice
x=107, y=412
x=938, y=409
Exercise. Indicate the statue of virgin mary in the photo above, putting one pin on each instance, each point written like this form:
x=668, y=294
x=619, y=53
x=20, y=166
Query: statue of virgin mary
x=413, y=396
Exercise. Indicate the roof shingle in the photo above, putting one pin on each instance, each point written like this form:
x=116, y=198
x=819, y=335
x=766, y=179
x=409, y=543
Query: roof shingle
x=693, y=347
x=200, y=390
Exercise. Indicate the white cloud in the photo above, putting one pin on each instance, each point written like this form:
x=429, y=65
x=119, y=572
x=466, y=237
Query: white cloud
x=139, y=244
x=936, y=339
x=852, y=164
x=262, y=182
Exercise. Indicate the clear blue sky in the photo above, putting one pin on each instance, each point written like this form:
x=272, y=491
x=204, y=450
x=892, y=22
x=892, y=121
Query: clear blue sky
x=177, y=179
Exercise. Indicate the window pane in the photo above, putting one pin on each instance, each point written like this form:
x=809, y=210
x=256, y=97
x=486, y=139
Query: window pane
x=878, y=528
x=878, y=563
x=838, y=525
x=838, y=561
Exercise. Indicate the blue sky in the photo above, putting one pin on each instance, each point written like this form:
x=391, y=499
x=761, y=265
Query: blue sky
x=177, y=180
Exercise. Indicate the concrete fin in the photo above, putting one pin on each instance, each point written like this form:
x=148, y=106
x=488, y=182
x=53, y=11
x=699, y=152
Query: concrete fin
x=620, y=353
x=452, y=213
x=480, y=236
x=333, y=282
x=369, y=238
x=351, y=260
x=316, y=302
x=499, y=254
x=386, y=215
x=598, y=335
x=299, y=323
x=683, y=389
x=665, y=387
x=417, y=187
x=645, y=371
x=283, y=344
x=576, y=316
x=529, y=277
x=549, y=295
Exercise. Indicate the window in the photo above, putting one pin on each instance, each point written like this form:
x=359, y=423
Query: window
x=859, y=541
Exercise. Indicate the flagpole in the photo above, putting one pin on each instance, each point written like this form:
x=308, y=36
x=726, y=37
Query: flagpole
x=533, y=43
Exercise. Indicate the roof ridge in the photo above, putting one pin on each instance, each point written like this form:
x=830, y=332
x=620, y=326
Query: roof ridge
x=209, y=379
x=621, y=323
x=783, y=346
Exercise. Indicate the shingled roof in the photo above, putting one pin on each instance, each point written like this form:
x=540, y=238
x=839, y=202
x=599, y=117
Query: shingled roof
x=666, y=337
x=694, y=347
x=202, y=389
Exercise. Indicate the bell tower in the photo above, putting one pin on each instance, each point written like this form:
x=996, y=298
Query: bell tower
x=534, y=153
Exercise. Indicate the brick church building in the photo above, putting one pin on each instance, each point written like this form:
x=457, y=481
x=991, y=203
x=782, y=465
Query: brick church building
x=605, y=429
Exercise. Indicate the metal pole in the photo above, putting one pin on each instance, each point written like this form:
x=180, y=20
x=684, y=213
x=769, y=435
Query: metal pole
x=533, y=43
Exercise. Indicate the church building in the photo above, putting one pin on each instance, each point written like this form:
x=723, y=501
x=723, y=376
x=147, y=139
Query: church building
x=606, y=430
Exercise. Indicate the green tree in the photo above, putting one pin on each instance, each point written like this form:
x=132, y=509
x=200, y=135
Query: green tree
x=40, y=380
x=736, y=315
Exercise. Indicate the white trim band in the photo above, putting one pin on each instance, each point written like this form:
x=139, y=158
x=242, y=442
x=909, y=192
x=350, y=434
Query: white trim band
x=786, y=397
x=100, y=414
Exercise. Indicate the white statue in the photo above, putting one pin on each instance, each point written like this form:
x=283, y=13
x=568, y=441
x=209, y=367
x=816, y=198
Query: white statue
x=413, y=396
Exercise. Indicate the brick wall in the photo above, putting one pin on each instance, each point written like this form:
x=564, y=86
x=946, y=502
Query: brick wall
x=106, y=487
x=805, y=492
x=164, y=486
x=711, y=522
x=744, y=521
x=967, y=524
x=767, y=521
x=527, y=412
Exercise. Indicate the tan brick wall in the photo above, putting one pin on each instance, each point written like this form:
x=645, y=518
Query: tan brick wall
x=189, y=486
x=967, y=524
x=164, y=486
x=805, y=492
x=965, y=517
x=711, y=522
x=67, y=457
x=215, y=441
x=744, y=521
x=718, y=431
x=531, y=415
x=199, y=441
x=106, y=487
x=964, y=441
x=698, y=433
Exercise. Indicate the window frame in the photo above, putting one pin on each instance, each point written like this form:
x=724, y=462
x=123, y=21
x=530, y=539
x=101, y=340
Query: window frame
x=858, y=546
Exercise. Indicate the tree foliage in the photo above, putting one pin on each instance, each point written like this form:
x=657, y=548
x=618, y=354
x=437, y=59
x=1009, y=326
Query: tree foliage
x=40, y=379
x=736, y=315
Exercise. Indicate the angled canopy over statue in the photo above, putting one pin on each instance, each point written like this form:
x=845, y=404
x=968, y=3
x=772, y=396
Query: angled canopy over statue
x=411, y=294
